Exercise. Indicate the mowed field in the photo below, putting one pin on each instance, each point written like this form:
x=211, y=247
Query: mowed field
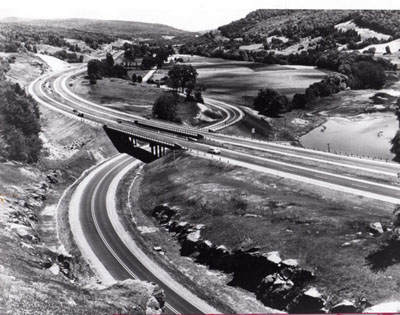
x=239, y=82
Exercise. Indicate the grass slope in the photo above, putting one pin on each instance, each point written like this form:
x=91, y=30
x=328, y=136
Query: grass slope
x=300, y=221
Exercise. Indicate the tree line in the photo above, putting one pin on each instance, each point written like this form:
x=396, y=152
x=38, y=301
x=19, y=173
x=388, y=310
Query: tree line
x=20, y=123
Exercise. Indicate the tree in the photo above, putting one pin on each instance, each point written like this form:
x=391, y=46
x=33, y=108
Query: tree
x=95, y=69
x=180, y=75
x=270, y=103
x=134, y=78
x=395, y=149
x=139, y=79
x=388, y=51
x=299, y=101
x=129, y=56
x=367, y=74
x=165, y=108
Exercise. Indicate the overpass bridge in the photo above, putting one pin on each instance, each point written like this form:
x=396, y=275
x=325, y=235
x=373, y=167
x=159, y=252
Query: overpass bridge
x=128, y=142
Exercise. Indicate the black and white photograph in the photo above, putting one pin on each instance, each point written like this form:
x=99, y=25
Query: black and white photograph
x=199, y=157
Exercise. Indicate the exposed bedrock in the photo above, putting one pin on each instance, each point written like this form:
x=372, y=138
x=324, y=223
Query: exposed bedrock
x=278, y=283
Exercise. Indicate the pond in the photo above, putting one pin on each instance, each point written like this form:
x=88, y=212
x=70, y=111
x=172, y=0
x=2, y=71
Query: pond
x=365, y=134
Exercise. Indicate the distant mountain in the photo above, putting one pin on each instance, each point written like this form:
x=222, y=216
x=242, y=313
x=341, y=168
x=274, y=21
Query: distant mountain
x=123, y=29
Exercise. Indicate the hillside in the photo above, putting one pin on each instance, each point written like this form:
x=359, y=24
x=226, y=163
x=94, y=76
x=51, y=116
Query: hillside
x=124, y=29
x=301, y=23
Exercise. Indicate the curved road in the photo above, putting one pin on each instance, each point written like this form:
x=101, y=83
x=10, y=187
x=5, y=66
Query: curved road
x=107, y=244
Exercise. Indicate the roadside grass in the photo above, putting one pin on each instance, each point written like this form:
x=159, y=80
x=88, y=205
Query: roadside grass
x=301, y=221
x=117, y=93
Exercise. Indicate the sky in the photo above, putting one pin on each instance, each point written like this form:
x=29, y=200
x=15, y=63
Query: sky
x=184, y=14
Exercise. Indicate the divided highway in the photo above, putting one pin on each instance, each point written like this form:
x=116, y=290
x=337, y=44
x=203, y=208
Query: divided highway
x=52, y=91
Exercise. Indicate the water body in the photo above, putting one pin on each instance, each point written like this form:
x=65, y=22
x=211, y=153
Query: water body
x=365, y=134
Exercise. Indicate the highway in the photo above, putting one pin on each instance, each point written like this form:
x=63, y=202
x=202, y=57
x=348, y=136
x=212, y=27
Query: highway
x=52, y=91
x=106, y=242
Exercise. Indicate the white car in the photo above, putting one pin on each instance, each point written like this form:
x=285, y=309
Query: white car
x=213, y=151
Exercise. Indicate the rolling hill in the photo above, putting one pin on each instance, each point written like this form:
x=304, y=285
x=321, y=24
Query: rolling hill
x=123, y=29
x=302, y=23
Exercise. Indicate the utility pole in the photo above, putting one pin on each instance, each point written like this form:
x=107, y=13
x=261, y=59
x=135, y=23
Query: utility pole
x=329, y=147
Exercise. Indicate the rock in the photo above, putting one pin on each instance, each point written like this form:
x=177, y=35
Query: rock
x=275, y=291
x=292, y=263
x=273, y=257
x=163, y=213
x=345, y=306
x=310, y=301
x=189, y=243
x=25, y=232
x=135, y=296
x=376, y=228
x=388, y=307
x=55, y=269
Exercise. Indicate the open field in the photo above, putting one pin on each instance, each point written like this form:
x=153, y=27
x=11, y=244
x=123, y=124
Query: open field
x=118, y=94
x=239, y=82
x=132, y=98
x=244, y=209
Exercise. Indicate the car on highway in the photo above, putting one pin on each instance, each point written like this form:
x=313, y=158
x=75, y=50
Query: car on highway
x=192, y=139
x=119, y=121
x=213, y=151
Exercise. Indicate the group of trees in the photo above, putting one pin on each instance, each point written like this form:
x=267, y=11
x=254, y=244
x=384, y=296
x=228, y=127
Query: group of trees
x=152, y=55
x=270, y=103
x=182, y=77
x=97, y=69
x=20, y=123
x=70, y=57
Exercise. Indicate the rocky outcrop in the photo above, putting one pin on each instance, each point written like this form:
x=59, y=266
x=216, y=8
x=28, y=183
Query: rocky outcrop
x=277, y=283
x=136, y=297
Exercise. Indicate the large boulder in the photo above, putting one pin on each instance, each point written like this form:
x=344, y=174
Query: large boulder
x=387, y=307
x=345, y=306
x=135, y=297
x=274, y=291
x=163, y=213
x=376, y=228
x=310, y=301
x=190, y=242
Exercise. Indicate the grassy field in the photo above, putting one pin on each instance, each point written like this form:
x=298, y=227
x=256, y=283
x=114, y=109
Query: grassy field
x=287, y=216
x=238, y=82
x=131, y=98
